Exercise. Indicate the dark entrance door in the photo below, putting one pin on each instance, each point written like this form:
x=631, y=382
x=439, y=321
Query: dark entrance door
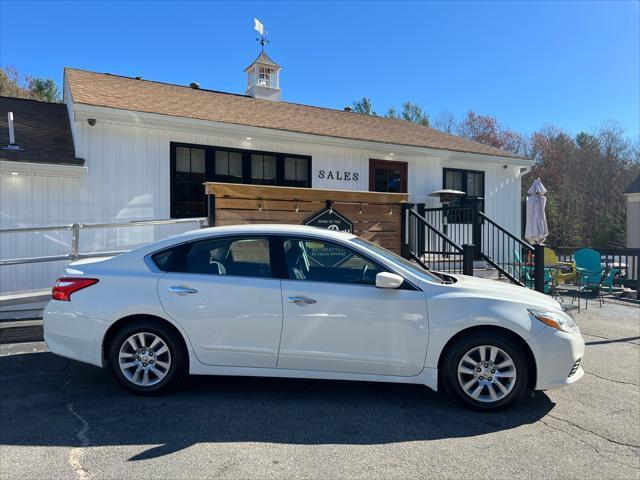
x=387, y=176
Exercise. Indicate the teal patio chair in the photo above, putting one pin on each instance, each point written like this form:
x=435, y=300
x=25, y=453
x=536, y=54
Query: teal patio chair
x=589, y=266
x=524, y=273
x=593, y=289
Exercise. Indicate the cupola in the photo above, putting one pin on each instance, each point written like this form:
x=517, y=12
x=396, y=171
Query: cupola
x=263, y=78
x=263, y=75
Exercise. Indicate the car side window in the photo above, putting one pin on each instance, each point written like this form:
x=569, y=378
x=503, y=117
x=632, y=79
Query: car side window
x=321, y=261
x=164, y=258
x=245, y=257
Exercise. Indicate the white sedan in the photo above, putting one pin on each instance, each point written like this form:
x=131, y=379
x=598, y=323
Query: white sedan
x=291, y=301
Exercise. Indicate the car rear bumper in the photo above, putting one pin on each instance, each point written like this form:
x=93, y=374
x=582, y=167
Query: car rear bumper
x=558, y=358
x=73, y=335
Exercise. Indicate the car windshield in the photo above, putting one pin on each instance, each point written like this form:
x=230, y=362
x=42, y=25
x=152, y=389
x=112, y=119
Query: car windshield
x=412, y=267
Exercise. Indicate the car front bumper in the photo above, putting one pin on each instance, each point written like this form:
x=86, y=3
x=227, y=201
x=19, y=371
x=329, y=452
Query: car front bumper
x=558, y=358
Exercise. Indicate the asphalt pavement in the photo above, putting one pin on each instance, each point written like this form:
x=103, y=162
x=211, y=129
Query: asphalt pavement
x=64, y=419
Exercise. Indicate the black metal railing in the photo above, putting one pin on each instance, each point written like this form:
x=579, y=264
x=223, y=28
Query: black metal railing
x=431, y=248
x=626, y=262
x=512, y=257
x=448, y=239
x=456, y=223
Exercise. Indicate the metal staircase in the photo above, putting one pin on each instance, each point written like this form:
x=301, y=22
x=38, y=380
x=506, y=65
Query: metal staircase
x=457, y=239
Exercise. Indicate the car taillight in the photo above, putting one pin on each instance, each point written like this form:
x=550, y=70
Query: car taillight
x=65, y=286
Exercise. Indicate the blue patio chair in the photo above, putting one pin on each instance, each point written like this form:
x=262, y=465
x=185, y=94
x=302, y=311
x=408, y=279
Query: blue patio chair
x=593, y=289
x=589, y=266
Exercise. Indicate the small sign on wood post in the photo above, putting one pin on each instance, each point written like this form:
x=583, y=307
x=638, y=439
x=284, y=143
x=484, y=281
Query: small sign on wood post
x=331, y=220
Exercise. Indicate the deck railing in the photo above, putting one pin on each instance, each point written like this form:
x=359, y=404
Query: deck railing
x=431, y=248
x=442, y=239
x=625, y=260
x=75, y=230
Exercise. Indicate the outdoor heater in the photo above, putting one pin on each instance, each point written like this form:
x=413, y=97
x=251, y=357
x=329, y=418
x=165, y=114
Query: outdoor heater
x=446, y=196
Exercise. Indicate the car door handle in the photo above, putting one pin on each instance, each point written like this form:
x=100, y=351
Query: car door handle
x=301, y=300
x=182, y=290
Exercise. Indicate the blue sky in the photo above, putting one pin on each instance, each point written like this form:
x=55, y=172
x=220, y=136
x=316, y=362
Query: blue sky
x=571, y=64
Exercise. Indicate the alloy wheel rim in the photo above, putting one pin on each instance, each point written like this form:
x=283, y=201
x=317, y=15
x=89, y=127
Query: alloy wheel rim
x=486, y=373
x=144, y=359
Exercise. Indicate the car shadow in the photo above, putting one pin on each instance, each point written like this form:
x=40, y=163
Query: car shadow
x=49, y=401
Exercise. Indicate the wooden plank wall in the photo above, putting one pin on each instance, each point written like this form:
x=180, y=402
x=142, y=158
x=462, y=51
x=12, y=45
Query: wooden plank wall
x=375, y=216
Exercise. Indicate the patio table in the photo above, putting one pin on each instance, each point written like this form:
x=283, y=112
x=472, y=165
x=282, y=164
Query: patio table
x=555, y=290
x=559, y=266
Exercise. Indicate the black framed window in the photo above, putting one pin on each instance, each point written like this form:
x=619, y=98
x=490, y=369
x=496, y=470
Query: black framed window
x=188, y=175
x=227, y=166
x=469, y=181
x=296, y=171
x=192, y=165
x=263, y=169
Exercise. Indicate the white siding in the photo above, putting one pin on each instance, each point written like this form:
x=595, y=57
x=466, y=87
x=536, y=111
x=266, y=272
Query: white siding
x=633, y=220
x=128, y=179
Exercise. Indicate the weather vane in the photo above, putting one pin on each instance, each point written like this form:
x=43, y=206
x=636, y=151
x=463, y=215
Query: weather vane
x=259, y=27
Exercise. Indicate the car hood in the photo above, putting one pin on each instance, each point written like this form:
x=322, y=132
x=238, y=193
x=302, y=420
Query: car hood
x=486, y=288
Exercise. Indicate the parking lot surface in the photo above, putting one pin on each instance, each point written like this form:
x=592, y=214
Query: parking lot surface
x=63, y=419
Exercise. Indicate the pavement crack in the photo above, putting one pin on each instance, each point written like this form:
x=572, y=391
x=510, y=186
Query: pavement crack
x=579, y=427
x=581, y=440
x=611, y=379
x=75, y=456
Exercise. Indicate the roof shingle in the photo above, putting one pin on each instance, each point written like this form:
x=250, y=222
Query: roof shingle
x=264, y=59
x=635, y=186
x=106, y=90
x=42, y=131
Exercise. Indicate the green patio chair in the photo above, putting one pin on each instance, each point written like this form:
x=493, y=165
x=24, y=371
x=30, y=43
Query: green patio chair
x=589, y=266
x=525, y=273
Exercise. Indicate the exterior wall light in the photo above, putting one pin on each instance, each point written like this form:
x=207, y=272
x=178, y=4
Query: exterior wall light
x=247, y=138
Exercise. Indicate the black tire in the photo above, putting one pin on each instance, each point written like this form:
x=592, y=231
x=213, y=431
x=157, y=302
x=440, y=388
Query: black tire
x=178, y=366
x=452, y=358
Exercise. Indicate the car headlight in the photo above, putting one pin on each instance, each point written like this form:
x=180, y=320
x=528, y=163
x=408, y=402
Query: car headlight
x=555, y=319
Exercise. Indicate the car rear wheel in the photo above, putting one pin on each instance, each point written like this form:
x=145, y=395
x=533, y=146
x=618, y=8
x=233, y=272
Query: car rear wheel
x=147, y=358
x=485, y=371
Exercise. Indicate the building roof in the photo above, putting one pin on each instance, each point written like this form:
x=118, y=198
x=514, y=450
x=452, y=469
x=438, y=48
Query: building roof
x=42, y=130
x=113, y=91
x=635, y=186
x=264, y=59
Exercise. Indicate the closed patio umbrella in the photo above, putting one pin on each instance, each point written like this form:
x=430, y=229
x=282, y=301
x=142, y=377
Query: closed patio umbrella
x=536, y=229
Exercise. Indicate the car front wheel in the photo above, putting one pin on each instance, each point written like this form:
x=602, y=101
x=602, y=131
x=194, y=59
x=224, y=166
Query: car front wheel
x=147, y=358
x=485, y=371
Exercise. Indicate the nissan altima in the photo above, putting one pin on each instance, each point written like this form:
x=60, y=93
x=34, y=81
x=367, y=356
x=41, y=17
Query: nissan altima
x=301, y=302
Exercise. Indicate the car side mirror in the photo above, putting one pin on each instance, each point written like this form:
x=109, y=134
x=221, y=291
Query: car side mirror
x=388, y=280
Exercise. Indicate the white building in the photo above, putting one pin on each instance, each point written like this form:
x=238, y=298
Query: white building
x=141, y=150
x=633, y=214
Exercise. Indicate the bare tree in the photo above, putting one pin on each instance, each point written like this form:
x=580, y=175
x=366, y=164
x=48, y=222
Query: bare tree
x=486, y=129
x=586, y=176
x=12, y=85
x=445, y=121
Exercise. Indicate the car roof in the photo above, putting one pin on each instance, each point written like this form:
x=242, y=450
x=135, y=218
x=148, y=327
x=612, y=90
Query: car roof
x=266, y=229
